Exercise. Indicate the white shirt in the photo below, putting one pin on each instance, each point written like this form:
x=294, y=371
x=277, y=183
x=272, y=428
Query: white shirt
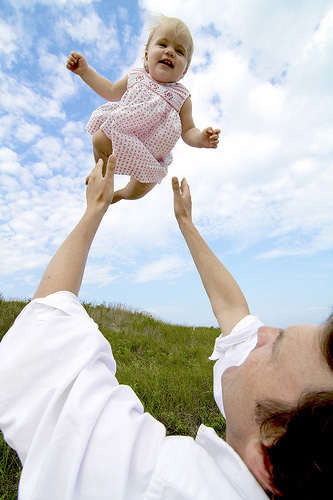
x=82, y=436
x=232, y=350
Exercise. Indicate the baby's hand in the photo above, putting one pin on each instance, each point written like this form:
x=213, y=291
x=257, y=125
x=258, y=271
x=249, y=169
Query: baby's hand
x=76, y=63
x=209, y=137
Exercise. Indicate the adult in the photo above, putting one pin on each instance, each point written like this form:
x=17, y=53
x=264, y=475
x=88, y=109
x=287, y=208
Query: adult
x=277, y=384
x=80, y=435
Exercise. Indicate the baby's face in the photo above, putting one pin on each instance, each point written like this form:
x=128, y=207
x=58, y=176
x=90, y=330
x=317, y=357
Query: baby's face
x=166, y=56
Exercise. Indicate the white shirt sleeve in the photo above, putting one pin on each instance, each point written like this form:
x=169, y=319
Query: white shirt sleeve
x=63, y=411
x=47, y=336
x=232, y=350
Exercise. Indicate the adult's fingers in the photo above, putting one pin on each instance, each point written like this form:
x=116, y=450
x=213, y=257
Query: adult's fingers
x=111, y=165
x=184, y=186
x=175, y=184
x=97, y=168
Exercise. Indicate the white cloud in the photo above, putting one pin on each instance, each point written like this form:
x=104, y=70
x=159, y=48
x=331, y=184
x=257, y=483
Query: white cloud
x=73, y=129
x=85, y=28
x=7, y=123
x=27, y=132
x=322, y=141
x=36, y=219
x=68, y=155
x=40, y=169
x=8, y=38
x=99, y=273
x=57, y=79
x=166, y=268
x=17, y=98
x=9, y=185
x=8, y=161
x=88, y=30
x=267, y=101
x=123, y=13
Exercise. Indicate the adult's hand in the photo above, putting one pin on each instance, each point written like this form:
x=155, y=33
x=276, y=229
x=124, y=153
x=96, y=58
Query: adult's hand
x=100, y=189
x=181, y=200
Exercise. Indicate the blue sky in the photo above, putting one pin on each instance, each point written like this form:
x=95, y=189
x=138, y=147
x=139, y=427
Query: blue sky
x=262, y=71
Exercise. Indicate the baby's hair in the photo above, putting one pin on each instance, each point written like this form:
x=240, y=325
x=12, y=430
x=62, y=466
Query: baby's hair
x=177, y=27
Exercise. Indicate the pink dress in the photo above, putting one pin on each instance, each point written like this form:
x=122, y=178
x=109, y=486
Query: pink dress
x=143, y=127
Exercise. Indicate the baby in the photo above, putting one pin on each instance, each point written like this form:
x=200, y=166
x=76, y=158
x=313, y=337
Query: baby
x=148, y=110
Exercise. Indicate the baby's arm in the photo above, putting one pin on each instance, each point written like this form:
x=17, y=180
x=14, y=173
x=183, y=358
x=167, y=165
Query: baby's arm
x=207, y=138
x=77, y=63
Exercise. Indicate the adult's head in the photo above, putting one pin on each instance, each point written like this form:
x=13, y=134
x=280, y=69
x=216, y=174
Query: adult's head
x=279, y=406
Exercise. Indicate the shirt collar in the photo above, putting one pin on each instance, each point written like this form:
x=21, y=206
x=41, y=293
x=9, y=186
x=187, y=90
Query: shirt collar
x=230, y=464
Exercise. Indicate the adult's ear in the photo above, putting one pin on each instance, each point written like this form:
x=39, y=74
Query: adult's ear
x=257, y=460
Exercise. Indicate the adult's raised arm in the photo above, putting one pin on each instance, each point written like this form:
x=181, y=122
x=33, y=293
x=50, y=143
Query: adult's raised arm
x=227, y=300
x=66, y=268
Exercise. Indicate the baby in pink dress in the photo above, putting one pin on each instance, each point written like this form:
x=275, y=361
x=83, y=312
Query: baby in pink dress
x=148, y=110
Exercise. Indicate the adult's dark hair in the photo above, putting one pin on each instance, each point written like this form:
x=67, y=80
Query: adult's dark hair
x=327, y=341
x=301, y=453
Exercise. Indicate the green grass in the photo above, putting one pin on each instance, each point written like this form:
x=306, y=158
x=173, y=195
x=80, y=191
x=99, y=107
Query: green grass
x=166, y=365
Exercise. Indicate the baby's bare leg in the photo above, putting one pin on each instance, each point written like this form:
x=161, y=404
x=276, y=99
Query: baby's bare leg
x=133, y=190
x=102, y=147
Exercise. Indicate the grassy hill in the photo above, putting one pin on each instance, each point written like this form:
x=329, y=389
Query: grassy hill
x=166, y=365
